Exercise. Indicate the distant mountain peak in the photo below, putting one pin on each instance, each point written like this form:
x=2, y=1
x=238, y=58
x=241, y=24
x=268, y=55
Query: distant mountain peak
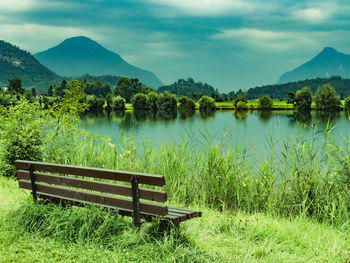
x=329, y=62
x=81, y=55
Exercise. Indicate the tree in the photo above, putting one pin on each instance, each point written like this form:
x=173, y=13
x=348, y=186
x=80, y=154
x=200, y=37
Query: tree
x=139, y=101
x=265, y=102
x=15, y=86
x=241, y=106
x=127, y=88
x=118, y=103
x=303, y=99
x=58, y=91
x=347, y=104
x=326, y=98
x=34, y=93
x=50, y=91
x=167, y=102
x=206, y=104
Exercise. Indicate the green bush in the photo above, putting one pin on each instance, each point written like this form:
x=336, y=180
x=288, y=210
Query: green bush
x=152, y=99
x=241, y=105
x=326, y=98
x=94, y=103
x=347, y=104
x=20, y=135
x=186, y=104
x=265, y=102
x=139, y=101
x=207, y=104
x=167, y=102
x=238, y=99
x=303, y=99
x=118, y=103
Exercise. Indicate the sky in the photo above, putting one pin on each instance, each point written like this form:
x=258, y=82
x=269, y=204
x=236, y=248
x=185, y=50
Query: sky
x=229, y=44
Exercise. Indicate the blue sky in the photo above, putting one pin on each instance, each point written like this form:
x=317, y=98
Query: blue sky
x=230, y=44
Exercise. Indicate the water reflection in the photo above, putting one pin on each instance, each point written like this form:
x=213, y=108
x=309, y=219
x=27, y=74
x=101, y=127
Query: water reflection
x=207, y=115
x=327, y=117
x=241, y=114
x=265, y=115
x=302, y=117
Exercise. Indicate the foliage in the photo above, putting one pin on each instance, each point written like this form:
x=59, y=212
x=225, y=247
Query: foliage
x=152, y=101
x=186, y=104
x=347, y=104
x=241, y=105
x=15, y=86
x=207, y=104
x=93, y=103
x=58, y=91
x=281, y=90
x=187, y=87
x=118, y=103
x=97, y=88
x=167, y=102
x=139, y=101
x=240, y=98
x=327, y=99
x=18, y=63
x=20, y=135
x=265, y=102
x=303, y=99
x=127, y=88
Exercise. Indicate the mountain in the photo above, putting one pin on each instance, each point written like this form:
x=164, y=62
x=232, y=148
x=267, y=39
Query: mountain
x=329, y=62
x=81, y=55
x=187, y=87
x=15, y=62
x=342, y=86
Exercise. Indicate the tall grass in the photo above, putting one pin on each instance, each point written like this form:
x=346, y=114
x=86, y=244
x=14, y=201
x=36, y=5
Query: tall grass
x=305, y=178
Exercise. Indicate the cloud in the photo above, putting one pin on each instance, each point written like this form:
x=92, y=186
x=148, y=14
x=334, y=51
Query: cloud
x=211, y=7
x=315, y=13
x=264, y=39
x=34, y=37
x=14, y=6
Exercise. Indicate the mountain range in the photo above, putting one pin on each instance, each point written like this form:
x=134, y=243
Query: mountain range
x=329, y=62
x=81, y=55
x=15, y=62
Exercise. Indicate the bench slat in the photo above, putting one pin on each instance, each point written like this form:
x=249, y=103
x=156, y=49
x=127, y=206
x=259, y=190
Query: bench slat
x=156, y=209
x=156, y=180
x=148, y=194
x=121, y=211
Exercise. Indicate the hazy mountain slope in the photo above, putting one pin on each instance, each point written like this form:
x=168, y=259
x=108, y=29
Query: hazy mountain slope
x=80, y=55
x=15, y=62
x=329, y=62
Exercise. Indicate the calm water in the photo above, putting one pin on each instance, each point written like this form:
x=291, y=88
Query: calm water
x=250, y=129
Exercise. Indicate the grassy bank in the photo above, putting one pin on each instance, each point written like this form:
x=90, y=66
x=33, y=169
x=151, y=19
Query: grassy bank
x=53, y=234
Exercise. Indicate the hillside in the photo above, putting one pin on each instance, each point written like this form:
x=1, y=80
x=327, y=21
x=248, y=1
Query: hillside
x=342, y=86
x=78, y=56
x=329, y=62
x=188, y=87
x=15, y=62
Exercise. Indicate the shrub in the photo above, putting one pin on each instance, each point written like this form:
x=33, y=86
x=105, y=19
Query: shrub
x=265, y=102
x=207, y=104
x=20, y=135
x=303, y=99
x=326, y=98
x=118, y=103
x=139, y=101
x=94, y=103
x=186, y=104
x=347, y=104
x=167, y=102
x=238, y=99
x=152, y=99
x=241, y=105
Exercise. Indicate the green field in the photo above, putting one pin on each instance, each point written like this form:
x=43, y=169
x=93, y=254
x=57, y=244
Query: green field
x=32, y=233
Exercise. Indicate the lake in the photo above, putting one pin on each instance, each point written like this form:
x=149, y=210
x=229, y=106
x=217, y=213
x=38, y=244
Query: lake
x=252, y=129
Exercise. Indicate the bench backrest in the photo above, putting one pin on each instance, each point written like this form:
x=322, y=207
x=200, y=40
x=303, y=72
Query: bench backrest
x=83, y=184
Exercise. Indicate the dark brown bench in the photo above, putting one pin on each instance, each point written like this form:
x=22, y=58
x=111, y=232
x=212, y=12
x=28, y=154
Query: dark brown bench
x=50, y=181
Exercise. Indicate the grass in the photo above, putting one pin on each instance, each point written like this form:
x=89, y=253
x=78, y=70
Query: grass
x=38, y=233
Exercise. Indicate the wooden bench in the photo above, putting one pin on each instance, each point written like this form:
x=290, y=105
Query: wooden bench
x=51, y=182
